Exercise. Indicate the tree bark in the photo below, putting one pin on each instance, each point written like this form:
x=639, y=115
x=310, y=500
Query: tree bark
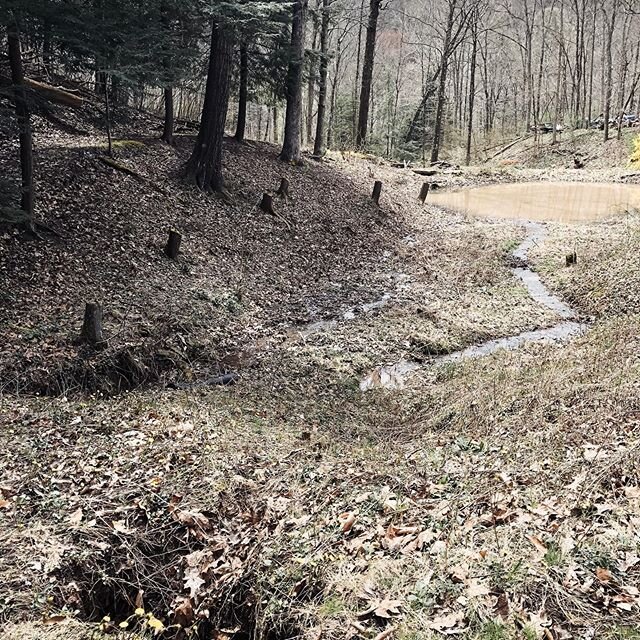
x=442, y=84
x=293, y=117
x=242, y=95
x=608, y=69
x=377, y=191
x=319, y=143
x=92, y=324
x=472, y=87
x=205, y=164
x=367, y=72
x=172, y=248
x=167, y=132
x=24, y=117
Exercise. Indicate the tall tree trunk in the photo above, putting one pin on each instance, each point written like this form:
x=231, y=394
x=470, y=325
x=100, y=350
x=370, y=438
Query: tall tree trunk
x=472, y=86
x=319, y=143
x=311, y=85
x=23, y=115
x=367, y=72
x=167, y=131
x=242, y=96
x=442, y=85
x=558, y=100
x=293, y=118
x=331, y=138
x=356, y=84
x=591, y=66
x=205, y=164
x=440, y=105
x=608, y=71
x=47, y=45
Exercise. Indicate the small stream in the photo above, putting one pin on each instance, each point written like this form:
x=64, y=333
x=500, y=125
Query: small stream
x=393, y=376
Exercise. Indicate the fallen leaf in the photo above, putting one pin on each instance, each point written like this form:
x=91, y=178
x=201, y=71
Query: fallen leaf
x=501, y=606
x=441, y=623
x=632, y=493
x=347, y=520
x=388, y=608
x=76, y=517
x=603, y=575
x=121, y=527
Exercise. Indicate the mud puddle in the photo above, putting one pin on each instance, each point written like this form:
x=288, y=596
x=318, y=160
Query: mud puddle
x=543, y=201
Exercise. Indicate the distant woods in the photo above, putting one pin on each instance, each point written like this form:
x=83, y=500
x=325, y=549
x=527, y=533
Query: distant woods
x=404, y=79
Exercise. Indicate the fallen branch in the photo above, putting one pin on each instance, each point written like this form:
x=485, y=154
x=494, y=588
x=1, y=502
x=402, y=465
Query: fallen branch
x=110, y=162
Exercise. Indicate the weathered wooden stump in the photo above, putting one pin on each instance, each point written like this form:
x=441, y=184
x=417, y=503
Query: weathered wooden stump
x=92, y=324
x=571, y=259
x=266, y=204
x=283, y=189
x=377, y=190
x=172, y=247
x=424, y=191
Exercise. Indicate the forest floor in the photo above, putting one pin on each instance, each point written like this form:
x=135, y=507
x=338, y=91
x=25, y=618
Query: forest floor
x=493, y=499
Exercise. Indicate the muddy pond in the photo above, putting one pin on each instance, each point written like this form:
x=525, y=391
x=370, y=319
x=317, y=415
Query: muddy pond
x=543, y=201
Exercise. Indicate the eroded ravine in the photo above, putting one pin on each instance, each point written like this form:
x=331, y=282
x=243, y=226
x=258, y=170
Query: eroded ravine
x=393, y=376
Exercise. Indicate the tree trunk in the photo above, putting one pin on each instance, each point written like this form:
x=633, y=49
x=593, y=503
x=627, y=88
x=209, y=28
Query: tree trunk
x=47, y=45
x=609, y=72
x=472, y=87
x=167, y=132
x=172, y=248
x=92, y=324
x=440, y=104
x=367, y=72
x=356, y=84
x=442, y=84
x=311, y=85
x=293, y=118
x=242, y=96
x=334, y=93
x=319, y=144
x=24, y=117
x=205, y=164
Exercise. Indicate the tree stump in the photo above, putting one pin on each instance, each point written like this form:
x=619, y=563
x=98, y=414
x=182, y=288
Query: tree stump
x=424, y=191
x=283, y=189
x=172, y=247
x=377, y=190
x=571, y=259
x=266, y=204
x=92, y=325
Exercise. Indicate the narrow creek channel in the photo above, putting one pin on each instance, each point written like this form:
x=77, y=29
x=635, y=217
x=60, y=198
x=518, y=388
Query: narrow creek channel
x=393, y=376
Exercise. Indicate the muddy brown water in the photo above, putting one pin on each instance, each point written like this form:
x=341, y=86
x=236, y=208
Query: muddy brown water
x=543, y=201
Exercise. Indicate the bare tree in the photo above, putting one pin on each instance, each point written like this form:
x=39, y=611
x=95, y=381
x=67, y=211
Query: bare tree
x=293, y=118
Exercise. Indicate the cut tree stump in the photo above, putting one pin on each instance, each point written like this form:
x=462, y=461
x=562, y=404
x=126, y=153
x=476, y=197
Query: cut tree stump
x=283, y=189
x=172, y=247
x=424, y=191
x=571, y=259
x=266, y=204
x=92, y=325
x=377, y=190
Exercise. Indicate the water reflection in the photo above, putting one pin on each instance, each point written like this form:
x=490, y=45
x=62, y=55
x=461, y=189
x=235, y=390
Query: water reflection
x=543, y=201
